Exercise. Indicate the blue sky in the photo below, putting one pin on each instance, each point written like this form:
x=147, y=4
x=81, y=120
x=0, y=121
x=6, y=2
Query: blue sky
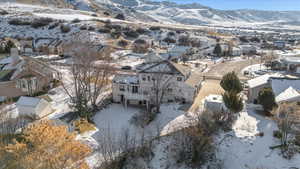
x=247, y=4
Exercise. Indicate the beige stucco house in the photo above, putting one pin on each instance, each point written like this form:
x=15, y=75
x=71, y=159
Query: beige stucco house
x=23, y=75
x=176, y=81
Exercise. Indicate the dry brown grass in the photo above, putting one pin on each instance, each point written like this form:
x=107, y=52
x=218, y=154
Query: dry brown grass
x=209, y=87
x=82, y=126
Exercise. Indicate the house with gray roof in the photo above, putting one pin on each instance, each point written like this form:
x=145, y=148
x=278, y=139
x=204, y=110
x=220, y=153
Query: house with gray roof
x=176, y=81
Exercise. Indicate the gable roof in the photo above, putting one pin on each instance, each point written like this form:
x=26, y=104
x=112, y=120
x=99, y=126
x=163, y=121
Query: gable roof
x=28, y=101
x=261, y=80
x=280, y=85
x=290, y=94
x=166, y=67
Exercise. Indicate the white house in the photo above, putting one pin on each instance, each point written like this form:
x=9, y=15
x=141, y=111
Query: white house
x=256, y=84
x=288, y=95
x=236, y=51
x=176, y=81
x=214, y=103
x=36, y=108
x=286, y=89
x=288, y=61
x=247, y=49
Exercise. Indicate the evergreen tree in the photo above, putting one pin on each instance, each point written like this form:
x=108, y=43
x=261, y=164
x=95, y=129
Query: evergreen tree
x=233, y=102
x=266, y=98
x=218, y=50
x=231, y=82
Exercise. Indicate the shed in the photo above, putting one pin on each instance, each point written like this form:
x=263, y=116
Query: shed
x=34, y=107
x=214, y=103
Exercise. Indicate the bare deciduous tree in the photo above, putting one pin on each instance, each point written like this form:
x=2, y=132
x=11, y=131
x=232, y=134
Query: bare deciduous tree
x=160, y=85
x=90, y=80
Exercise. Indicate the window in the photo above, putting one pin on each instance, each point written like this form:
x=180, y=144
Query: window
x=170, y=90
x=122, y=88
x=148, y=78
x=135, y=89
x=27, y=85
x=179, y=79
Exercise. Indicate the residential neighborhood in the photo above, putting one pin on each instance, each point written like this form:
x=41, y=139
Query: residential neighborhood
x=148, y=85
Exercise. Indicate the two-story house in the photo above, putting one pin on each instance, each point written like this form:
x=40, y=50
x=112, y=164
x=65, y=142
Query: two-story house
x=168, y=80
x=23, y=75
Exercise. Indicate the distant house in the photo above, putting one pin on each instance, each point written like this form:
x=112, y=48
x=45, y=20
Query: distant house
x=256, y=84
x=279, y=44
x=288, y=61
x=55, y=47
x=33, y=107
x=177, y=52
x=236, y=51
x=248, y=49
x=284, y=87
x=138, y=88
x=24, y=75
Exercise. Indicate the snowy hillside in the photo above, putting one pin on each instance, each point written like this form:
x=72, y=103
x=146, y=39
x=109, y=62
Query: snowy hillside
x=191, y=13
x=168, y=12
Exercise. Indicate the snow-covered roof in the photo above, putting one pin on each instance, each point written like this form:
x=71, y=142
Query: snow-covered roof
x=290, y=94
x=214, y=98
x=167, y=67
x=293, y=53
x=126, y=79
x=28, y=101
x=280, y=85
x=261, y=80
x=6, y=60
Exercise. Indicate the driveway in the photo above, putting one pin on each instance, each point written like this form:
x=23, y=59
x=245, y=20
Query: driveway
x=212, y=86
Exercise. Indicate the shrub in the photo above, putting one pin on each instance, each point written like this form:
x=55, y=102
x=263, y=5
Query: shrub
x=116, y=27
x=266, y=98
x=231, y=82
x=277, y=134
x=106, y=13
x=18, y=22
x=115, y=34
x=171, y=33
x=120, y=16
x=169, y=40
x=131, y=34
x=191, y=146
x=142, y=30
x=140, y=46
x=104, y=30
x=91, y=28
x=3, y=12
x=76, y=20
x=83, y=27
x=233, y=102
x=123, y=43
x=40, y=22
x=53, y=25
x=184, y=40
x=82, y=126
x=154, y=28
x=65, y=28
x=143, y=118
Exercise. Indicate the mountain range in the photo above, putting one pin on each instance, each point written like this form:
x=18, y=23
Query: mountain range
x=193, y=14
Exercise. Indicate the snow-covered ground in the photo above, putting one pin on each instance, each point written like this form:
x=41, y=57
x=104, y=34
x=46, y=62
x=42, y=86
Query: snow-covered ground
x=246, y=150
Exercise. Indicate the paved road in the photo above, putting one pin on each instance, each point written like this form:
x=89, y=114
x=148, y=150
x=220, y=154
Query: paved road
x=212, y=86
x=221, y=69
